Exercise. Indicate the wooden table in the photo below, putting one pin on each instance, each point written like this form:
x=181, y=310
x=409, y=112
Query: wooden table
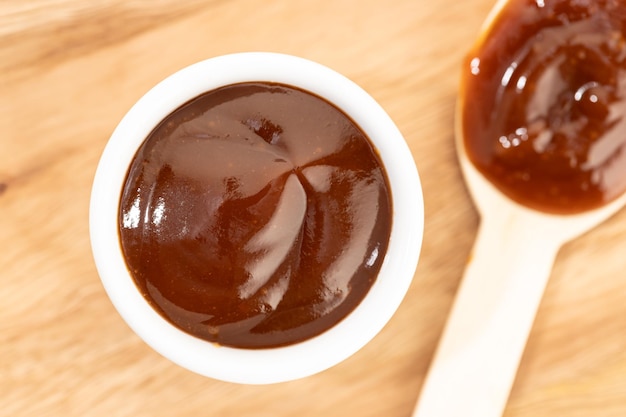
x=70, y=69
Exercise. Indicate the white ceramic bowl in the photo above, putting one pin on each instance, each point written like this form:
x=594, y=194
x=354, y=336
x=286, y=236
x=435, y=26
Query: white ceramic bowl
x=258, y=366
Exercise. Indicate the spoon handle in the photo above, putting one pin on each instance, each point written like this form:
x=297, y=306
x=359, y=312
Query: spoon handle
x=484, y=338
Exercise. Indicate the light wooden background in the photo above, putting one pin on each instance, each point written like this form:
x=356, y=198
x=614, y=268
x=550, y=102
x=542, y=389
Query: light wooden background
x=70, y=69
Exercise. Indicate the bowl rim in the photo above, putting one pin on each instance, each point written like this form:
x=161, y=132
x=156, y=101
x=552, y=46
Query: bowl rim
x=270, y=365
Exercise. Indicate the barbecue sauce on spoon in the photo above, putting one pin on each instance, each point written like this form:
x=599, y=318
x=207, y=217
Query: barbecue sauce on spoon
x=545, y=103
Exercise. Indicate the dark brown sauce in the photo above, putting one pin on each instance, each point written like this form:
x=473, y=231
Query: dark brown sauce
x=545, y=103
x=256, y=215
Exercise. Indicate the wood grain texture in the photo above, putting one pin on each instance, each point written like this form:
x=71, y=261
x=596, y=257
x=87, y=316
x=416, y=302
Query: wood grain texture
x=70, y=69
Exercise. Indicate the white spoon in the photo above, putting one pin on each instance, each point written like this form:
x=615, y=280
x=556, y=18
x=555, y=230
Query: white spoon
x=478, y=355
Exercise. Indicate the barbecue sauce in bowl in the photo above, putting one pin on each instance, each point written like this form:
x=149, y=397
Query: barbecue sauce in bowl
x=256, y=215
x=543, y=117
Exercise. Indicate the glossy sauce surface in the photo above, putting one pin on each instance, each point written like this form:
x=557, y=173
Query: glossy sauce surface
x=256, y=215
x=545, y=103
